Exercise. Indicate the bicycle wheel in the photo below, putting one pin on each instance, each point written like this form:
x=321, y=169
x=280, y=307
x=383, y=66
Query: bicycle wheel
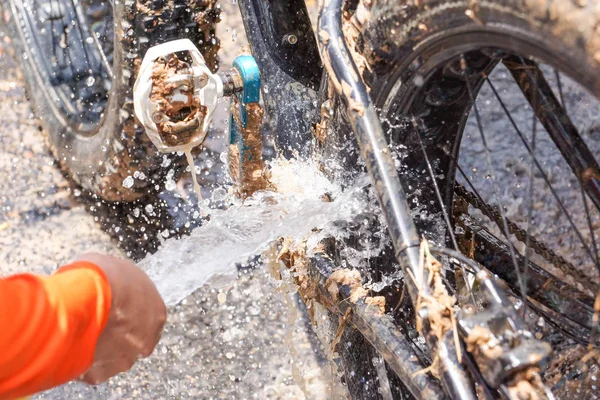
x=486, y=111
x=79, y=60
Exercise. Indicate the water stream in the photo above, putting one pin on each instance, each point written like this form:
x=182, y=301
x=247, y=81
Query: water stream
x=190, y=160
x=246, y=229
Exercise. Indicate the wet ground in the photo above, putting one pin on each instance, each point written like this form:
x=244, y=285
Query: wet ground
x=235, y=345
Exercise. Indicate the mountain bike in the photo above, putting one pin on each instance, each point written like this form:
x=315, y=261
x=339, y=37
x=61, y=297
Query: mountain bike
x=477, y=122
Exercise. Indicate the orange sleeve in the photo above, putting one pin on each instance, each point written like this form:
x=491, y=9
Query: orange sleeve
x=49, y=327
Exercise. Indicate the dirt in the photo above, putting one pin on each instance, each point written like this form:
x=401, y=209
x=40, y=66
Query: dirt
x=322, y=127
x=207, y=18
x=526, y=385
x=247, y=168
x=353, y=279
x=480, y=339
x=321, y=130
x=434, y=297
x=294, y=258
x=206, y=13
x=352, y=27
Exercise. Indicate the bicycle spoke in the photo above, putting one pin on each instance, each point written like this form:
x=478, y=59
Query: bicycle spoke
x=530, y=191
x=487, y=210
x=588, y=217
x=464, y=67
x=559, y=126
x=560, y=89
x=543, y=174
x=67, y=54
x=83, y=39
x=583, y=196
x=103, y=57
x=54, y=52
x=417, y=133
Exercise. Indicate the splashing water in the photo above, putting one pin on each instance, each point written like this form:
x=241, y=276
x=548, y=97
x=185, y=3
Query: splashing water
x=190, y=160
x=244, y=230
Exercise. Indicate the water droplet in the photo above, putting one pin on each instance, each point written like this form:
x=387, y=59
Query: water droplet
x=219, y=194
x=90, y=81
x=170, y=185
x=128, y=182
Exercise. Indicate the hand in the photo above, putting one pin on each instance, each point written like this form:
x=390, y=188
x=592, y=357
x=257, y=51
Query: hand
x=135, y=323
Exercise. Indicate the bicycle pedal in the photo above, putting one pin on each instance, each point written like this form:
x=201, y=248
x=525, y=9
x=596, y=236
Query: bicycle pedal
x=175, y=95
x=496, y=336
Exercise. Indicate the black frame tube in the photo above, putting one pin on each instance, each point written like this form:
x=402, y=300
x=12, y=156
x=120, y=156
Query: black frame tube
x=290, y=70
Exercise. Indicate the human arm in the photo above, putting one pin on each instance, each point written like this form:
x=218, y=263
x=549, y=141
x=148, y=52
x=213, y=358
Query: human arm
x=94, y=317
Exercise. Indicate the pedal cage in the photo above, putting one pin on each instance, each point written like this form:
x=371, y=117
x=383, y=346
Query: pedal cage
x=496, y=336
